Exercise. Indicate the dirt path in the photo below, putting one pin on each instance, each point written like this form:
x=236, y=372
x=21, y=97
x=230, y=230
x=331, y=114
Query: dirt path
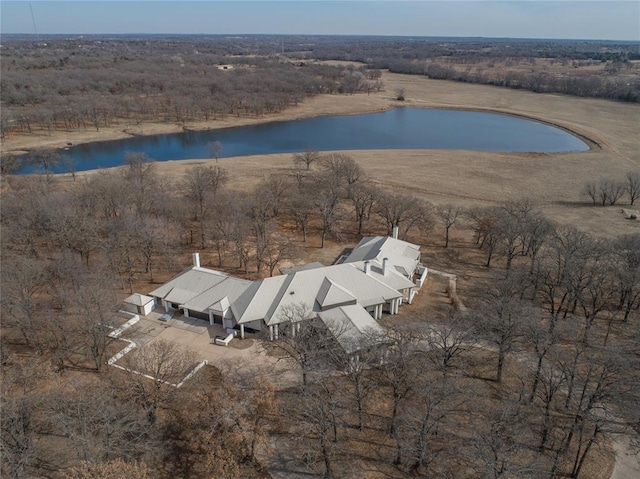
x=627, y=465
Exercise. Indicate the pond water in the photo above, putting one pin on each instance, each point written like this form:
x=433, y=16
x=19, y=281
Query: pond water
x=400, y=128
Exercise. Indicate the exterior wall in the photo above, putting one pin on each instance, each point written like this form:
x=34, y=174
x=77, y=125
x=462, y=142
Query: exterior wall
x=147, y=308
x=130, y=308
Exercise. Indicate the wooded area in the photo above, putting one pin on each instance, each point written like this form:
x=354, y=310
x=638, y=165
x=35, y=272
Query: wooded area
x=530, y=382
x=531, y=372
x=88, y=82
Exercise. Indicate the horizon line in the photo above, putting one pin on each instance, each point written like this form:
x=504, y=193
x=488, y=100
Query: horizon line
x=40, y=34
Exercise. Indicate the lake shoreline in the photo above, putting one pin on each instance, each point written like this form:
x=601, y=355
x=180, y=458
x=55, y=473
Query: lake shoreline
x=60, y=140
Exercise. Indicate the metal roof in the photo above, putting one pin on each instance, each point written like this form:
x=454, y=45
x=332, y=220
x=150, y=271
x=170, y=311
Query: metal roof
x=353, y=328
x=138, y=299
x=272, y=298
x=332, y=294
x=193, y=279
x=401, y=255
x=226, y=291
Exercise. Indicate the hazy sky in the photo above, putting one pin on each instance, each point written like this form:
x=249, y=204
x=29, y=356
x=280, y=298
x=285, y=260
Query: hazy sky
x=604, y=19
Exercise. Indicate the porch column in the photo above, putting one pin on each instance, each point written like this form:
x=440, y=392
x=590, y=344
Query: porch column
x=186, y=313
x=210, y=318
x=242, y=331
x=276, y=330
x=271, y=333
x=293, y=330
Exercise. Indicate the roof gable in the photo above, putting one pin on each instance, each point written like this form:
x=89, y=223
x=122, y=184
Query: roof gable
x=332, y=294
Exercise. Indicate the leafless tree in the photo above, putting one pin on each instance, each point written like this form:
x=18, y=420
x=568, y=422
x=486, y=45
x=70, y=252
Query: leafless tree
x=327, y=206
x=405, y=212
x=19, y=428
x=214, y=147
x=591, y=189
x=626, y=251
x=633, y=185
x=449, y=341
x=611, y=191
x=23, y=280
x=151, y=373
x=343, y=169
x=301, y=209
x=305, y=341
x=202, y=182
x=308, y=157
x=113, y=469
x=318, y=409
x=363, y=198
x=449, y=215
x=99, y=427
x=276, y=251
x=500, y=319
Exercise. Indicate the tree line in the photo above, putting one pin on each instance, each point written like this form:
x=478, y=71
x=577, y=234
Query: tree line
x=607, y=191
x=93, y=83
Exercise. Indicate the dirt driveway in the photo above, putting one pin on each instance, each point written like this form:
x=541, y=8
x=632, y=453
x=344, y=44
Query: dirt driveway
x=242, y=359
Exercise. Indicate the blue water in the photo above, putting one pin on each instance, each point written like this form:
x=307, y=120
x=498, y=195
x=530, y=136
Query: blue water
x=400, y=128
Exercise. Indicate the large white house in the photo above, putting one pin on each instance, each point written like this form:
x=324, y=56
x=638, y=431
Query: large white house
x=375, y=278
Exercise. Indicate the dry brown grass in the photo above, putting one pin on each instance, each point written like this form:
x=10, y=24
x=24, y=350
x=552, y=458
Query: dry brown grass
x=555, y=181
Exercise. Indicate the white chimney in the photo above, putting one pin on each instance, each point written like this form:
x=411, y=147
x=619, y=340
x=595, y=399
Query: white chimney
x=384, y=266
x=367, y=267
x=395, y=232
x=196, y=259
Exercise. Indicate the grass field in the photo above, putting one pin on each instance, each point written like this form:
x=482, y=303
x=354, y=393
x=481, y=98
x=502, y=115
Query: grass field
x=554, y=181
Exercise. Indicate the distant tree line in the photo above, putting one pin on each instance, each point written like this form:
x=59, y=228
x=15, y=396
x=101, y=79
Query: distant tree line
x=449, y=59
x=88, y=84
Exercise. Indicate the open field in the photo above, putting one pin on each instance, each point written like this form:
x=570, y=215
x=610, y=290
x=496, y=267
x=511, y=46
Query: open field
x=554, y=181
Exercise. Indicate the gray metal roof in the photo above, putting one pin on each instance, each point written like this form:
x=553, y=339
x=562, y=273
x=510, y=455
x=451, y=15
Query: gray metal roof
x=194, y=280
x=138, y=299
x=223, y=294
x=272, y=298
x=353, y=328
x=401, y=255
x=301, y=267
x=332, y=294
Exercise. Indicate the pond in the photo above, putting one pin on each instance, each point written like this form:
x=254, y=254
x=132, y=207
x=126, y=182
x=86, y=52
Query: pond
x=399, y=128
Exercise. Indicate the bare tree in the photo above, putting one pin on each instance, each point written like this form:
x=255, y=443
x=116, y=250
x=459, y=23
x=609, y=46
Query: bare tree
x=633, y=185
x=317, y=409
x=308, y=157
x=591, y=189
x=344, y=170
x=23, y=281
x=449, y=215
x=327, y=205
x=151, y=373
x=626, y=250
x=405, y=212
x=612, y=191
x=304, y=340
x=363, y=197
x=201, y=182
x=301, y=208
x=448, y=342
x=500, y=319
x=113, y=469
x=214, y=147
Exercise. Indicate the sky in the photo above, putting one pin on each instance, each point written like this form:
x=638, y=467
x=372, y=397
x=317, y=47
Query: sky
x=560, y=19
